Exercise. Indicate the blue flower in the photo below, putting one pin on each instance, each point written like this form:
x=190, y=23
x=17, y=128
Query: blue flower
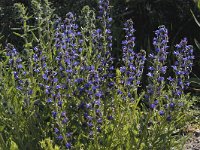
x=54, y=114
x=172, y=105
x=49, y=100
x=153, y=106
x=60, y=137
x=161, y=112
x=56, y=130
x=169, y=118
x=68, y=145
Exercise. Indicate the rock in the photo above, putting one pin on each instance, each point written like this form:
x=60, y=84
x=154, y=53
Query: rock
x=197, y=133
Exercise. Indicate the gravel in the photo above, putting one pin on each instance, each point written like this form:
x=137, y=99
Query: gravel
x=193, y=143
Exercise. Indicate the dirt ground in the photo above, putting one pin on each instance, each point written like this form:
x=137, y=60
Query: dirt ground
x=193, y=130
x=193, y=143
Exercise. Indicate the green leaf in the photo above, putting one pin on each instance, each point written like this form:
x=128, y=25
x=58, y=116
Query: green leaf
x=34, y=36
x=47, y=144
x=195, y=80
x=17, y=34
x=28, y=44
x=195, y=19
x=197, y=43
x=2, y=143
x=16, y=29
x=2, y=128
x=13, y=146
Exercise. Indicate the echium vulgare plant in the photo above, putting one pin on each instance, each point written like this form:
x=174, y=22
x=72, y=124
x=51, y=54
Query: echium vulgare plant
x=69, y=91
x=132, y=69
x=107, y=69
x=83, y=80
x=19, y=101
x=66, y=80
x=182, y=67
x=160, y=102
x=157, y=69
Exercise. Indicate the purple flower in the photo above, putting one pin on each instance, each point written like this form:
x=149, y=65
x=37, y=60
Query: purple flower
x=149, y=74
x=54, y=114
x=55, y=80
x=44, y=76
x=56, y=130
x=60, y=137
x=110, y=117
x=68, y=145
x=152, y=106
x=19, y=66
x=65, y=120
x=161, y=112
x=160, y=79
x=169, y=118
x=170, y=79
x=172, y=105
x=49, y=100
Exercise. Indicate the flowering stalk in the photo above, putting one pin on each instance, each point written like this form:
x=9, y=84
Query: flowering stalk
x=17, y=66
x=133, y=62
x=66, y=77
x=158, y=68
x=182, y=68
x=106, y=70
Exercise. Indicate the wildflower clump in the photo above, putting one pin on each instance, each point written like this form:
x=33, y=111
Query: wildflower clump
x=73, y=95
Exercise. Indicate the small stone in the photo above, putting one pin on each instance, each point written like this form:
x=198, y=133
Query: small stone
x=197, y=133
